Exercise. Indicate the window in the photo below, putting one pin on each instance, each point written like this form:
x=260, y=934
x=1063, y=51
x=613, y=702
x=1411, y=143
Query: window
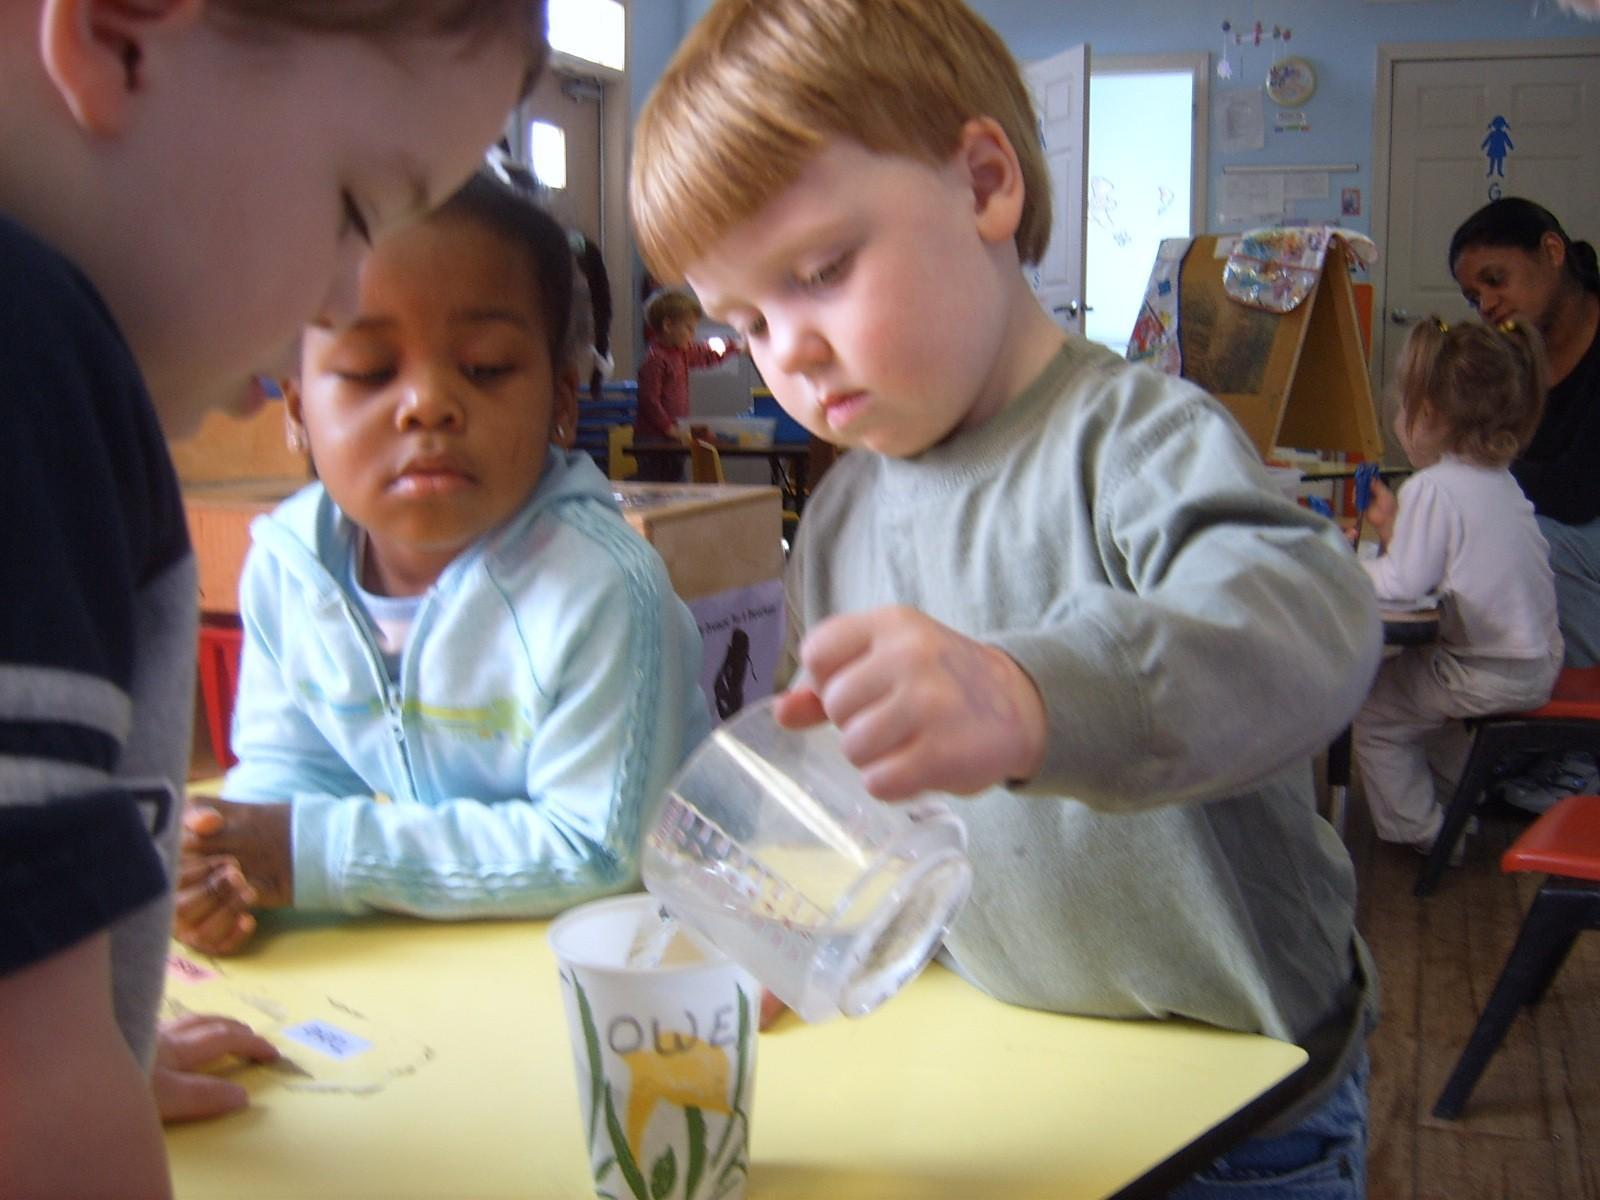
x=547, y=150
x=593, y=30
x=1146, y=158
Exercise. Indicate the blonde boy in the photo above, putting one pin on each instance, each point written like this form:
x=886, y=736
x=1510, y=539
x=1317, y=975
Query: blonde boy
x=671, y=316
x=1041, y=577
x=182, y=183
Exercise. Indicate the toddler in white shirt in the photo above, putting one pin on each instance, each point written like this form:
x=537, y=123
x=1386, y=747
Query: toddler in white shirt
x=1471, y=396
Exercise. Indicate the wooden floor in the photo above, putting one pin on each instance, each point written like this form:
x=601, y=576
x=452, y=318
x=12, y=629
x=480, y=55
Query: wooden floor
x=1532, y=1126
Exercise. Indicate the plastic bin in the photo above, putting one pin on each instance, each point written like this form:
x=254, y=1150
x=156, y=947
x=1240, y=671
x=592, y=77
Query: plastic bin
x=786, y=429
x=221, y=639
x=755, y=432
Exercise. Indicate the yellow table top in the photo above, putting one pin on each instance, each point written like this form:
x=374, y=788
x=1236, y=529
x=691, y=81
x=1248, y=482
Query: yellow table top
x=942, y=1093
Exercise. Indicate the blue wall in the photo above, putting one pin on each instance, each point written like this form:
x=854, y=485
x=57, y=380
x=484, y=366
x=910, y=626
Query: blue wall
x=654, y=29
x=1339, y=37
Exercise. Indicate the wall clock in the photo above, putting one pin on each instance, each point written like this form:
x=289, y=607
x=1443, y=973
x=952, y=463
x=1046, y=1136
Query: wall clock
x=1290, y=82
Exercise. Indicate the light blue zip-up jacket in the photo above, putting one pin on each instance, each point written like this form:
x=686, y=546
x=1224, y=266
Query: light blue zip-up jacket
x=547, y=692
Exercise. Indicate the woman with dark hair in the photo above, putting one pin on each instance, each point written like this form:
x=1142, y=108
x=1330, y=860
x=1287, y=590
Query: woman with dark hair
x=597, y=286
x=1512, y=258
x=590, y=331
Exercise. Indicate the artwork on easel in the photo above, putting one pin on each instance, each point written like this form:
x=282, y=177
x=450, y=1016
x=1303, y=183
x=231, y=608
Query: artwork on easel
x=1224, y=346
x=1293, y=373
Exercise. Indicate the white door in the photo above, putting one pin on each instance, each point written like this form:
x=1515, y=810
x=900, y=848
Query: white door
x=589, y=112
x=573, y=105
x=1467, y=130
x=1060, y=86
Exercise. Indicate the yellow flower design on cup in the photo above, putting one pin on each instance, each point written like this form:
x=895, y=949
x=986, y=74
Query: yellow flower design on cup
x=695, y=1076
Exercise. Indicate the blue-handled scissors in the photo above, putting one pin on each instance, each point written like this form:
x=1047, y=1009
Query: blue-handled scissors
x=1365, y=473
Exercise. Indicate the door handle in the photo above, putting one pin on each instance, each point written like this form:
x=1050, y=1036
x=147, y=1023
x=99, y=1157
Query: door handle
x=1399, y=316
x=1072, y=308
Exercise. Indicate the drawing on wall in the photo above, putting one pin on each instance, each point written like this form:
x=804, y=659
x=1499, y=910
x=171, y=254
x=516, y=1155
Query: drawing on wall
x=1496, y=145
x=1102, y=202
x=1243, y=121
x=1149, y=329
x=1103, y=209
x=1350, y=202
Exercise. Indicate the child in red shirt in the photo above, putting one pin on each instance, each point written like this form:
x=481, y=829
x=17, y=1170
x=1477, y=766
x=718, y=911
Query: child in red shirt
x=670, y=320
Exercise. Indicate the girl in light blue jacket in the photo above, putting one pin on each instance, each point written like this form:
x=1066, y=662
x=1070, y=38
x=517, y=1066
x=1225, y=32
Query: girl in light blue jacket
x=465, y=679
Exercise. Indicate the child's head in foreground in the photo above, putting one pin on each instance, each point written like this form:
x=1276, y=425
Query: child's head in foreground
x=216, y=168
x=671, y=315
x=853, y=185
x=1469, y=389
x=429, y=409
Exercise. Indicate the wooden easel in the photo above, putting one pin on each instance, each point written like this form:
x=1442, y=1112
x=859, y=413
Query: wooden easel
x=1298, y=379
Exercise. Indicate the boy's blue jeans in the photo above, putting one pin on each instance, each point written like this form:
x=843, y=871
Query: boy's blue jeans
x=1322, y=1158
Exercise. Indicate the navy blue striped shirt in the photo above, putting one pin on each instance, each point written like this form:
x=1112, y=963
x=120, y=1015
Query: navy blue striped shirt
x=91, y=530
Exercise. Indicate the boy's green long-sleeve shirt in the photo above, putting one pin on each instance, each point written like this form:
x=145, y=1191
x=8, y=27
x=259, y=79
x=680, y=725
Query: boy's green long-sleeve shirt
x=1196, y=638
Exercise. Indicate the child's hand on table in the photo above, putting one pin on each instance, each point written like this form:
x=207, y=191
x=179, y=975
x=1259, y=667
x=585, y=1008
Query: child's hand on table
x=256, y=836
x=236, y=857
x=212, y=906
x=917, y=704
x=184, y=1047
x=1382, y=510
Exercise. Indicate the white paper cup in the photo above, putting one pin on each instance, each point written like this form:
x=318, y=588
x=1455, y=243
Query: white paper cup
x=665, y=1059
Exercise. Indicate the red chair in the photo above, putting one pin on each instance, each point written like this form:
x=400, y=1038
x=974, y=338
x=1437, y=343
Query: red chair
x=221, y=639
x=1565, y=844
x=1570, y=721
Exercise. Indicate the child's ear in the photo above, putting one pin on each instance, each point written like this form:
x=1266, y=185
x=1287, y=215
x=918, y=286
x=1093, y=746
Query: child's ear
x=990, y=161
x=294, y=426
x=96, y=51
x=564, y=409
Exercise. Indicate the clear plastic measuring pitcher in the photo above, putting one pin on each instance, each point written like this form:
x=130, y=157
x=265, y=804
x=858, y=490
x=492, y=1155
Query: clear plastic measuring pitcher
x=769, y=847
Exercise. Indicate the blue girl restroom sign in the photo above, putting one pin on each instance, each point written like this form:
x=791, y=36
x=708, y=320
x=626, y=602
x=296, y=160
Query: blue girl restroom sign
x=1496, y=145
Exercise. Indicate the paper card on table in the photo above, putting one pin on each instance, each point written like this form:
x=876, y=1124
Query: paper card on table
x=330, y=1040
x=335, y=1047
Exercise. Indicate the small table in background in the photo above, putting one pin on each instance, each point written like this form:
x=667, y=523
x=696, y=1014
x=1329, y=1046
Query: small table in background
x=1333, y=472
x=1345, y=473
